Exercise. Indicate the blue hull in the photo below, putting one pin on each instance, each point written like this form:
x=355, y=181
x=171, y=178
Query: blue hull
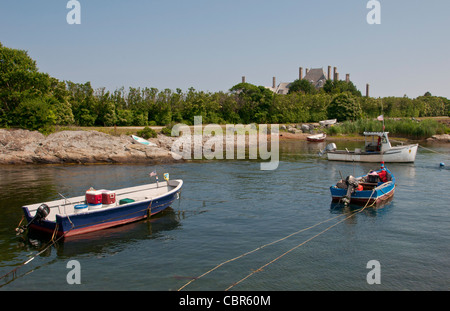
x=379, y=194
x=76, y=224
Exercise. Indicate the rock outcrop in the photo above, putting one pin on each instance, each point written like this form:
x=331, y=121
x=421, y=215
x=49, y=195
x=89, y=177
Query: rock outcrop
x=443, y=138
x=22, y=146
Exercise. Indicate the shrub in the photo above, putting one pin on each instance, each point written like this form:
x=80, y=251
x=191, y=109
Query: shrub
x=147, y=133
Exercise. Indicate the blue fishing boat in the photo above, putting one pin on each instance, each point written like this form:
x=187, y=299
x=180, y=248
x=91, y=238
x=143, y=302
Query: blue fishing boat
x=100, y=209
x=372, y=189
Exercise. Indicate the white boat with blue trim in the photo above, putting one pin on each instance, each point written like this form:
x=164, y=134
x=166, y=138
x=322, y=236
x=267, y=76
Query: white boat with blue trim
x=377, y=148
x=100, y=209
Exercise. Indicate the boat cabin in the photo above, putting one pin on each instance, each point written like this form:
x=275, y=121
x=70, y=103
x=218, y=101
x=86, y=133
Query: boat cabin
x=376, y=141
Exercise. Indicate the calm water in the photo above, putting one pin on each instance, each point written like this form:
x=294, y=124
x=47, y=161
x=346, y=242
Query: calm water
x=228, y=208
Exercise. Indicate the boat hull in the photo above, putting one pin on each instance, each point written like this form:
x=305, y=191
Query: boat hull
x=395, y=154
x=75, y=224
x=143, y=141
x=372, y=194
x=316, y=138
x=366, y=197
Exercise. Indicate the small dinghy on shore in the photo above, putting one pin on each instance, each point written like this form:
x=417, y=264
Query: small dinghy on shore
x=100, y=209
x=317, y=138
x=374, y=188
x=143, y=141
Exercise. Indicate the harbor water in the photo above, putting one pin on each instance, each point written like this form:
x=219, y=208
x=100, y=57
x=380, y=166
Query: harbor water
x=229, y=208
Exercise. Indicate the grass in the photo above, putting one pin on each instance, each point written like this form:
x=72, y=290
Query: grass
x=408, y=128
x=114, y=131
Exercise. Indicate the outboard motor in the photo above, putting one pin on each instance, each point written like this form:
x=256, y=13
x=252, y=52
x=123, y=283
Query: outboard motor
x=41, y=213
x=331, y=147
x=352, y=184
x=328, y=148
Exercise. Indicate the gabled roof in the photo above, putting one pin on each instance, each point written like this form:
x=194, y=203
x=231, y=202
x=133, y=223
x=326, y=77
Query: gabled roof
x=282, y=88
x=316, y=76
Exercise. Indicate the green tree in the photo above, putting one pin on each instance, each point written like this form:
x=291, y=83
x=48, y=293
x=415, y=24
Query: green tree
x=339, y=86
x=124, y=117
x=253, y=102
x=35, y=114
x=20, y=80
x=344, y=107
x=62, y=110
x=303, y=86
x=84, y=104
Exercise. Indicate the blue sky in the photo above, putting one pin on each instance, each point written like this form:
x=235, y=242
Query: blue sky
x=210, y=45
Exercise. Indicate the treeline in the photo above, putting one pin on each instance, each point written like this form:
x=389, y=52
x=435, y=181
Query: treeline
x=34, y=100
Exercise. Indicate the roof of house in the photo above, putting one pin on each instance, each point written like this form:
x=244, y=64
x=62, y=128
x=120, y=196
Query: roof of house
x=316, y=76
x=282, y=88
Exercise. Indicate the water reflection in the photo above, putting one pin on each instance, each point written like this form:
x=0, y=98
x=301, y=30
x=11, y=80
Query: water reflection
x=374, y=211
x=105, y=241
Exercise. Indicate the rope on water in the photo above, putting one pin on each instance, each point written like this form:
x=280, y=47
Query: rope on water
x=445, y=155
x=437, y=152
x=304, y=242
x=256, y=249
x=274, y=242
x=52, y=242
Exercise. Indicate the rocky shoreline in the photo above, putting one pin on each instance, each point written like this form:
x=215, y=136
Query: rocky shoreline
x=92, y=147
x=78, y=147
x=444, y=138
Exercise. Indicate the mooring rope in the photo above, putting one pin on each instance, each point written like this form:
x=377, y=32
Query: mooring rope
x=437, y=152
x=279, y=240
x=52, y=242
x=301, y=244
x=256, y=249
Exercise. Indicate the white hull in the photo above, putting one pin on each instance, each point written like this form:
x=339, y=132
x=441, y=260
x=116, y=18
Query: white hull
x=143, y=141
x=318, y=137
x=405, y=153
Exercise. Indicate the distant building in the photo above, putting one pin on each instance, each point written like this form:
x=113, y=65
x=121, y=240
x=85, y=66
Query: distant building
x=316, y=76
x=282, y=88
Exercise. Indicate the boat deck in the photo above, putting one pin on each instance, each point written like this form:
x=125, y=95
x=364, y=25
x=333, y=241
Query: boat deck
x=64, y=207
